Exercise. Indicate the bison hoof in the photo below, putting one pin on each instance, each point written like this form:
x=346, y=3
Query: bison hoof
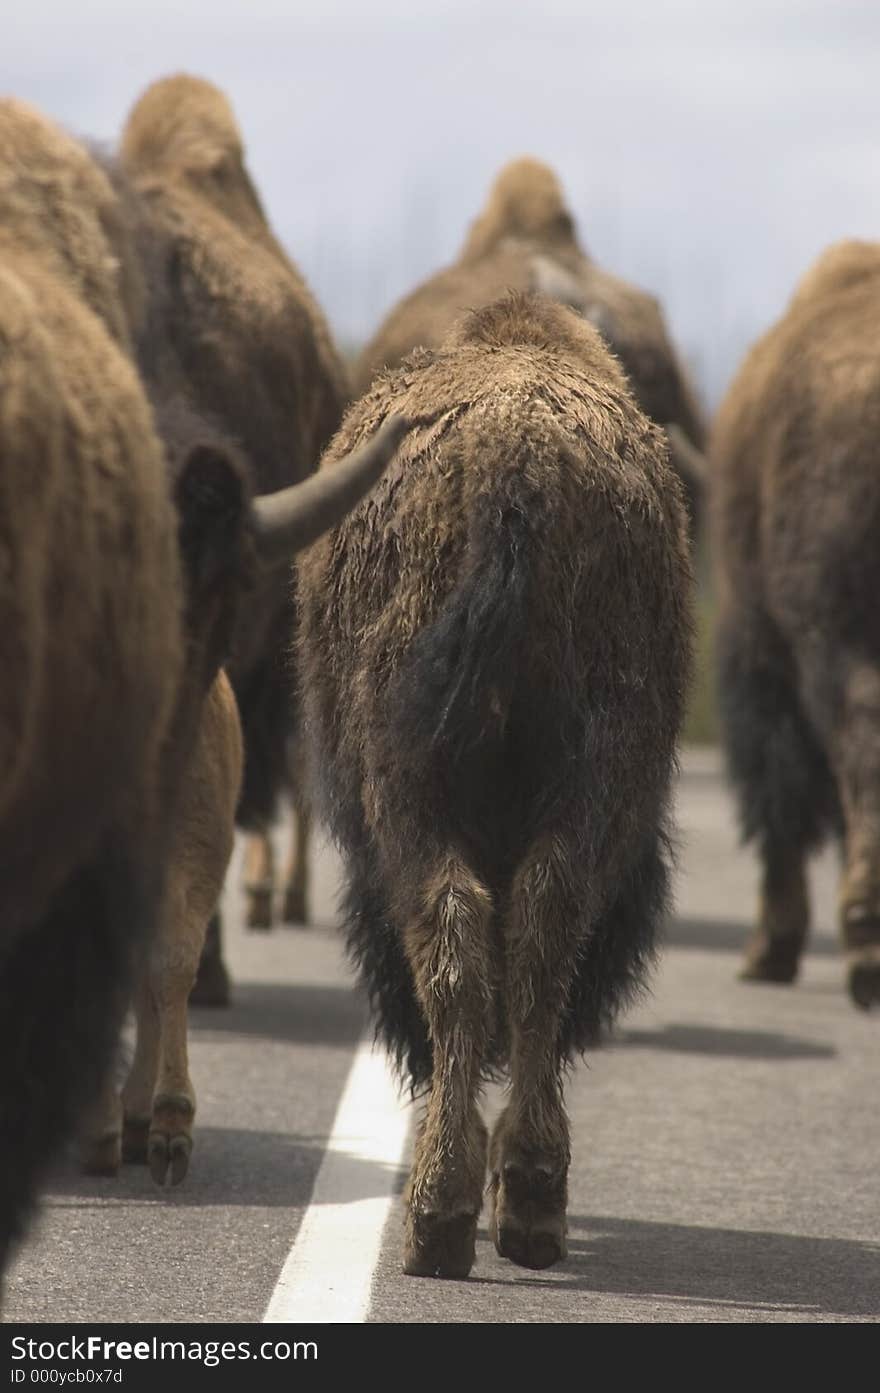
x=295, y=910
x=534, y=1248
x=440, y=1245
x=169, y=1157
x=170, y=1140
x=101, y=1155
x=259, y=907
x=863, y=979
x=135, y=1140
x=774, y=961
x=528, y=1216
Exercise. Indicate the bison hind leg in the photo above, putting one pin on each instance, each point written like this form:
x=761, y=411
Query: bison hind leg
x=570, y=970
x=785, y=788
x=259, y=879
x=447, y=939
x=296, y=878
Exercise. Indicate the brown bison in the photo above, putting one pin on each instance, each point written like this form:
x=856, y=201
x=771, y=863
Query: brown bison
x=152, y=1119
x=525, y=239
x=232, y=327
x=494, y=653
x=91, y=650
x=119, y=574
x=796, y=520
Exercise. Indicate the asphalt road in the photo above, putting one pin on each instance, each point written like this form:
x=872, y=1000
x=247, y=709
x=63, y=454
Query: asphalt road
x=725, y=1144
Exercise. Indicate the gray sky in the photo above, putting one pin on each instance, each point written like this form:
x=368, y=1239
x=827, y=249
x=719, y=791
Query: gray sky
x=710, y=148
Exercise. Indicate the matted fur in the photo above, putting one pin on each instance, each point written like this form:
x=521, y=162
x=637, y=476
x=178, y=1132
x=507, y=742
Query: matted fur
x=525, y=239
x=796, y=512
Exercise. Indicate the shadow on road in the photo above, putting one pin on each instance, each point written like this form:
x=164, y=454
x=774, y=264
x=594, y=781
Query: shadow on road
x=722, y=1040
x=675, y=1263
x=229, y=1167
x=298, y=1013
x=727, y=937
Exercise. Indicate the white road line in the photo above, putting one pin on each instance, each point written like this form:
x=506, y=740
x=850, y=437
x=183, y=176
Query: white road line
x=329, y=1271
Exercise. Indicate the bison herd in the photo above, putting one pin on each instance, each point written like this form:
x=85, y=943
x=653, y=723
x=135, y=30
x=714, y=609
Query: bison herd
x=476, y=671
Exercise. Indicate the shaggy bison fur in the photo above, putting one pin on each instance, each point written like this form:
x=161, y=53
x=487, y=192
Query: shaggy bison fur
x=796, y=518
x=525, y=239
x=494, y=652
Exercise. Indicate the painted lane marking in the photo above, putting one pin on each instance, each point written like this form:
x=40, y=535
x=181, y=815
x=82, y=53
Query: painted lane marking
x=329, y=1271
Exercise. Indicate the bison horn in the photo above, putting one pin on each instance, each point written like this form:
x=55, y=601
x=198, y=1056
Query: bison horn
x=285, y=522
x=689, y=461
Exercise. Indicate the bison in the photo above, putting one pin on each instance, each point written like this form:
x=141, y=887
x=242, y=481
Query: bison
x=525, y=239
x=494, y=653
x=152, y=1119
x=91, y=650
x=119, y=577
x=232, y=326
x=796, y=517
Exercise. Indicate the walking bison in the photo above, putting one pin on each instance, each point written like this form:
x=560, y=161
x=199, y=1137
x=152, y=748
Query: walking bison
x=525, y=239
x=91, y=650
x=232, y=326
x=494, y=652
x=120, y=572
x=796, y=518
x=151, y=1119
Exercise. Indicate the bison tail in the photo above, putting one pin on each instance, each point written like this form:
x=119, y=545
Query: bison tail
x=453, y=690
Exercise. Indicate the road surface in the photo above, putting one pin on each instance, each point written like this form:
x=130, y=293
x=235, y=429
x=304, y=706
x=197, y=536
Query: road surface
x=724, y=1166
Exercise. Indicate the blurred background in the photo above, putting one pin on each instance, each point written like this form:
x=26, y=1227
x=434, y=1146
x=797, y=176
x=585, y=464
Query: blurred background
x=709, y=148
